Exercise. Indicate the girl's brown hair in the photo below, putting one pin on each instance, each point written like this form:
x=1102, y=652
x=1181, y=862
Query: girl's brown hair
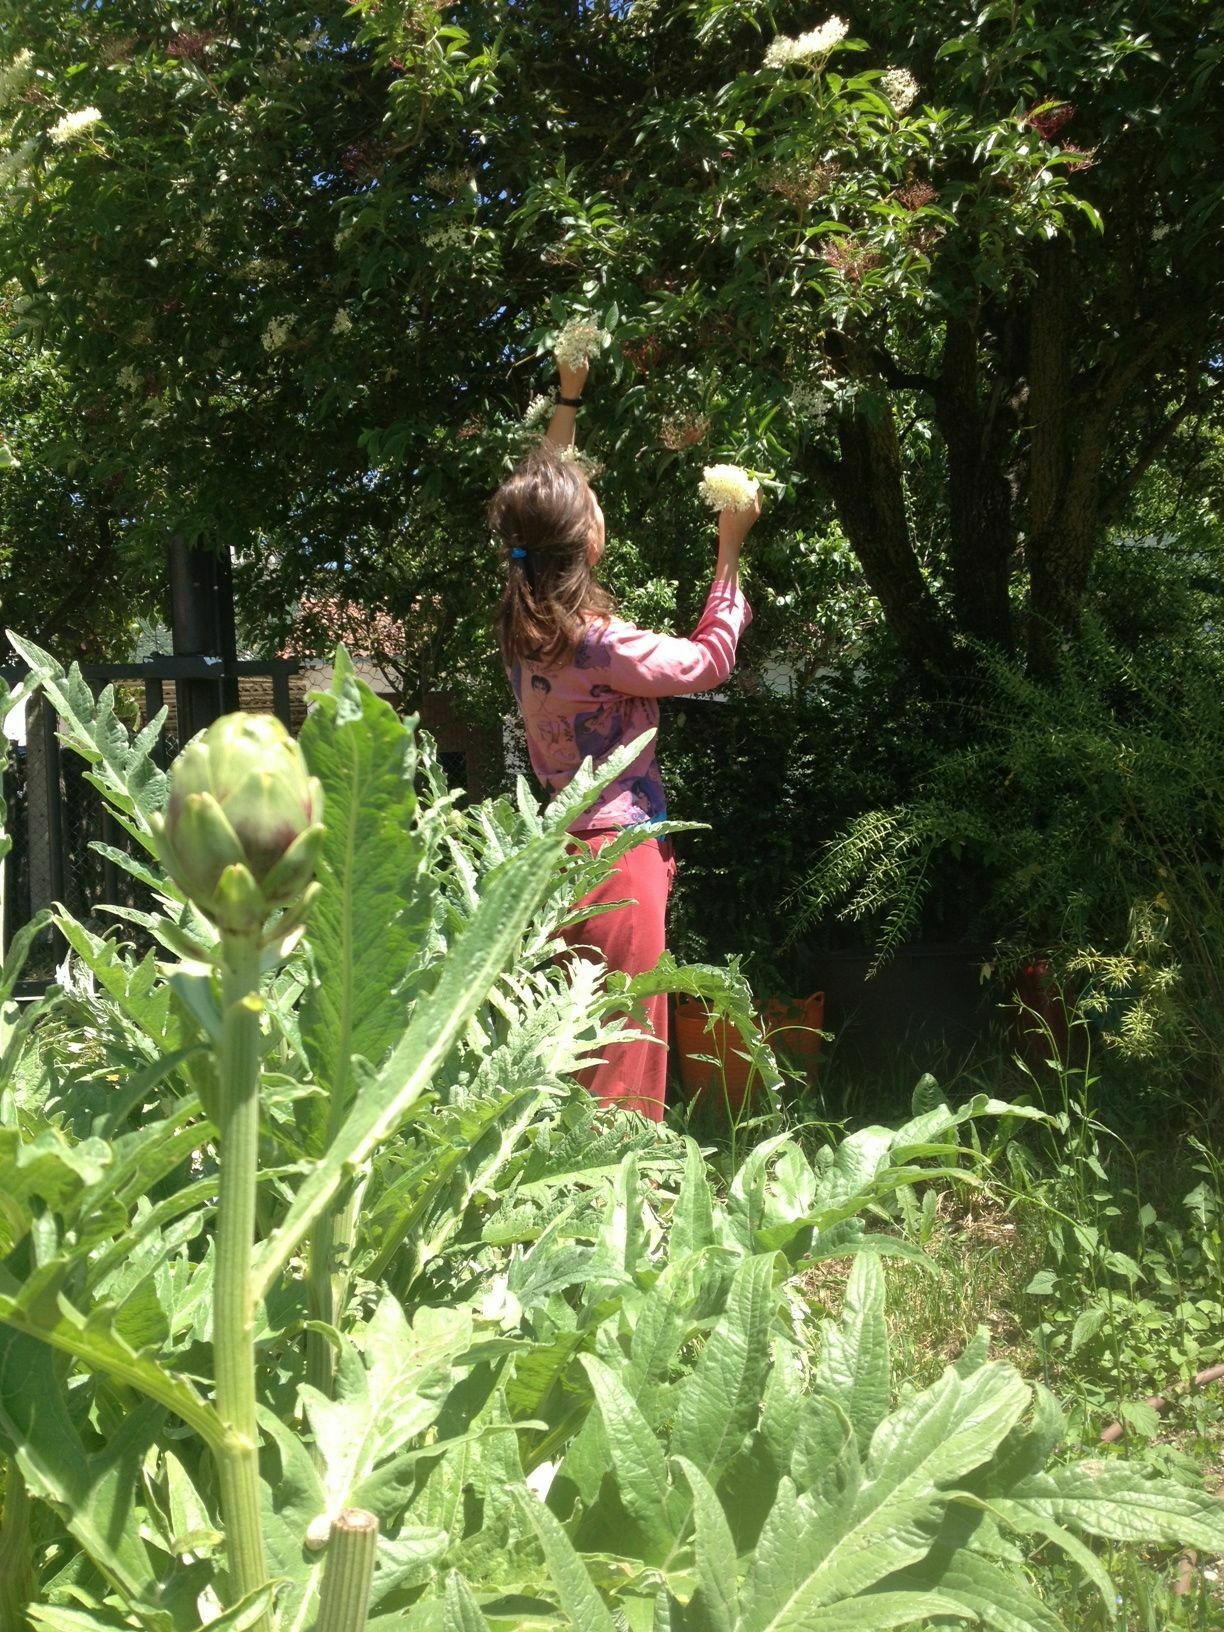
x=546, y=511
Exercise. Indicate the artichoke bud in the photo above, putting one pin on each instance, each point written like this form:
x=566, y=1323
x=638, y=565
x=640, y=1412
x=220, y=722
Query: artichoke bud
x=242, y=831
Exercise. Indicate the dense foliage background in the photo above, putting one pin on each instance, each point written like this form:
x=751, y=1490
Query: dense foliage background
x=951, y=280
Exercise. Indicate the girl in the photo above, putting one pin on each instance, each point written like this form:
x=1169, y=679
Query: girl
x=587, y=681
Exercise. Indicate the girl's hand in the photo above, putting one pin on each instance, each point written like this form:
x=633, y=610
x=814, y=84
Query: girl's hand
x=735, y=525
x=572, y=380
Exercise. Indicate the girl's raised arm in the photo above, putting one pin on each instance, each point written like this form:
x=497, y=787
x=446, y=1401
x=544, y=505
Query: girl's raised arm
x=570, y=381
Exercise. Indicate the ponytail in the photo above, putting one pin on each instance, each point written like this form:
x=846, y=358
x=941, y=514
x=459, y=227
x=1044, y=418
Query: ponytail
x=543, y=515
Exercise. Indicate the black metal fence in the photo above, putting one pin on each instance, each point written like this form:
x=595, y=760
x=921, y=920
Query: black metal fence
x=55, y=815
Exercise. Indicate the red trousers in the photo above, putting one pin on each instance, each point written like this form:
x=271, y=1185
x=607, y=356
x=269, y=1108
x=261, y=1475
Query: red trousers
x=631, y=939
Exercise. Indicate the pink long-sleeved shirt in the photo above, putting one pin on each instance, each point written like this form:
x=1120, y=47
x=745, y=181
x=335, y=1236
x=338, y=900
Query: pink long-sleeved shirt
x=608, y=695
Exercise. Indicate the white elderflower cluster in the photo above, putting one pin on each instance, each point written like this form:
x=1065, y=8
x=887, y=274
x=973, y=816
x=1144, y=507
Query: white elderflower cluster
x=450, y=232
x=129, y=379
x=813, y=46
x=342, y=322
x=538, y=410
x=13, y=76
x=810, y=400
x=899, y=87
x=277, y=332
x=72, y=125
x=728, y=487
x=577, y=340
x=590, y=467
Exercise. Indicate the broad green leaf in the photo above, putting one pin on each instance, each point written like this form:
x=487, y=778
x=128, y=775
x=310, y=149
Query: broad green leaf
x=720, y=1399
x=122, y=766
x=63, y=1618
x=95, y=1495
x=939, y=1436
x=293, y=1500
x=576, y=1591
x=714, y=1607
x=137, y=988
x=853, y=1366
x=240, y=1617
x=782, y=1404
x=463, y=1613
x=635, y=1454
x=1117, y=1502
x=38, y=1309
x=997, y=1598
x=476, y=959
x=367, y=926
x=388, y=1392
x=878, y=1612
x=692, y=1221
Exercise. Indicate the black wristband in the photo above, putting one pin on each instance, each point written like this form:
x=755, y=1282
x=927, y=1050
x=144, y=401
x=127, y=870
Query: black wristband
x=569, y=402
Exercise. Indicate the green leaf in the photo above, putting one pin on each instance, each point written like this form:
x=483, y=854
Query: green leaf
x=122, y=766
x=375, y=905
x=713, y=1608
x=692, y=1223
x=636, y=1456
x=388, y=1392
x=94, y=1495
x=720, y=1399
x=892, y=1520
x=37, y=1308
x=998, y=1598
x=877, y=1612
x=240, y=1617
x=1117, y=1502
x=475, y=960
x=853, y=1366
x=575, y=1590
x=463, y=1613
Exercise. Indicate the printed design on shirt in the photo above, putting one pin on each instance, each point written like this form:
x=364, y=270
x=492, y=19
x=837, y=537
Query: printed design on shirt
x=603, y=691
x=593, y=651
x=649, y=800
x=541, y=685
x=598, y=730
x=554, y=733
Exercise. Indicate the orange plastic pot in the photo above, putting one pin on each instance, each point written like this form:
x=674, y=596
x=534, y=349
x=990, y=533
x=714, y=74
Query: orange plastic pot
x=792, y=1029
x=713, y=1067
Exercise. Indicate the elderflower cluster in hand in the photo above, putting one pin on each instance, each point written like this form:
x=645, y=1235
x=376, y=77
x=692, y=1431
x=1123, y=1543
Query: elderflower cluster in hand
x=813, y=46
x=728, y=487
x=577, y=341
x=899, y=87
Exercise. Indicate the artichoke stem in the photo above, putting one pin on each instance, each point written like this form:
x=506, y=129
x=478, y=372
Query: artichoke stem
x=233, y=1309
x=351, y=1550
x=16, y=1552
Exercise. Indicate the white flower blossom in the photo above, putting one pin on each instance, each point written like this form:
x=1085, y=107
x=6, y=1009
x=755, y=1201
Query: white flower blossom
x=73, y=125
x=13, y=76
x=277, y=332
x=728, y=487
x=810, y=400
x=590, y=467
x=577, y=340
x=538, y=410
x=129, y=379
x=813, y=46
x=899, y=87
x=342, y=322
x=450, y=232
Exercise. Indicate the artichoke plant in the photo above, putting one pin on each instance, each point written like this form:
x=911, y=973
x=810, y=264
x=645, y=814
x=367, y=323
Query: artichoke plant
x=243, y=824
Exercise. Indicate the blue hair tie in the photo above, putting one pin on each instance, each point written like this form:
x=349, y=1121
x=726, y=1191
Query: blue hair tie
x=518, y=555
